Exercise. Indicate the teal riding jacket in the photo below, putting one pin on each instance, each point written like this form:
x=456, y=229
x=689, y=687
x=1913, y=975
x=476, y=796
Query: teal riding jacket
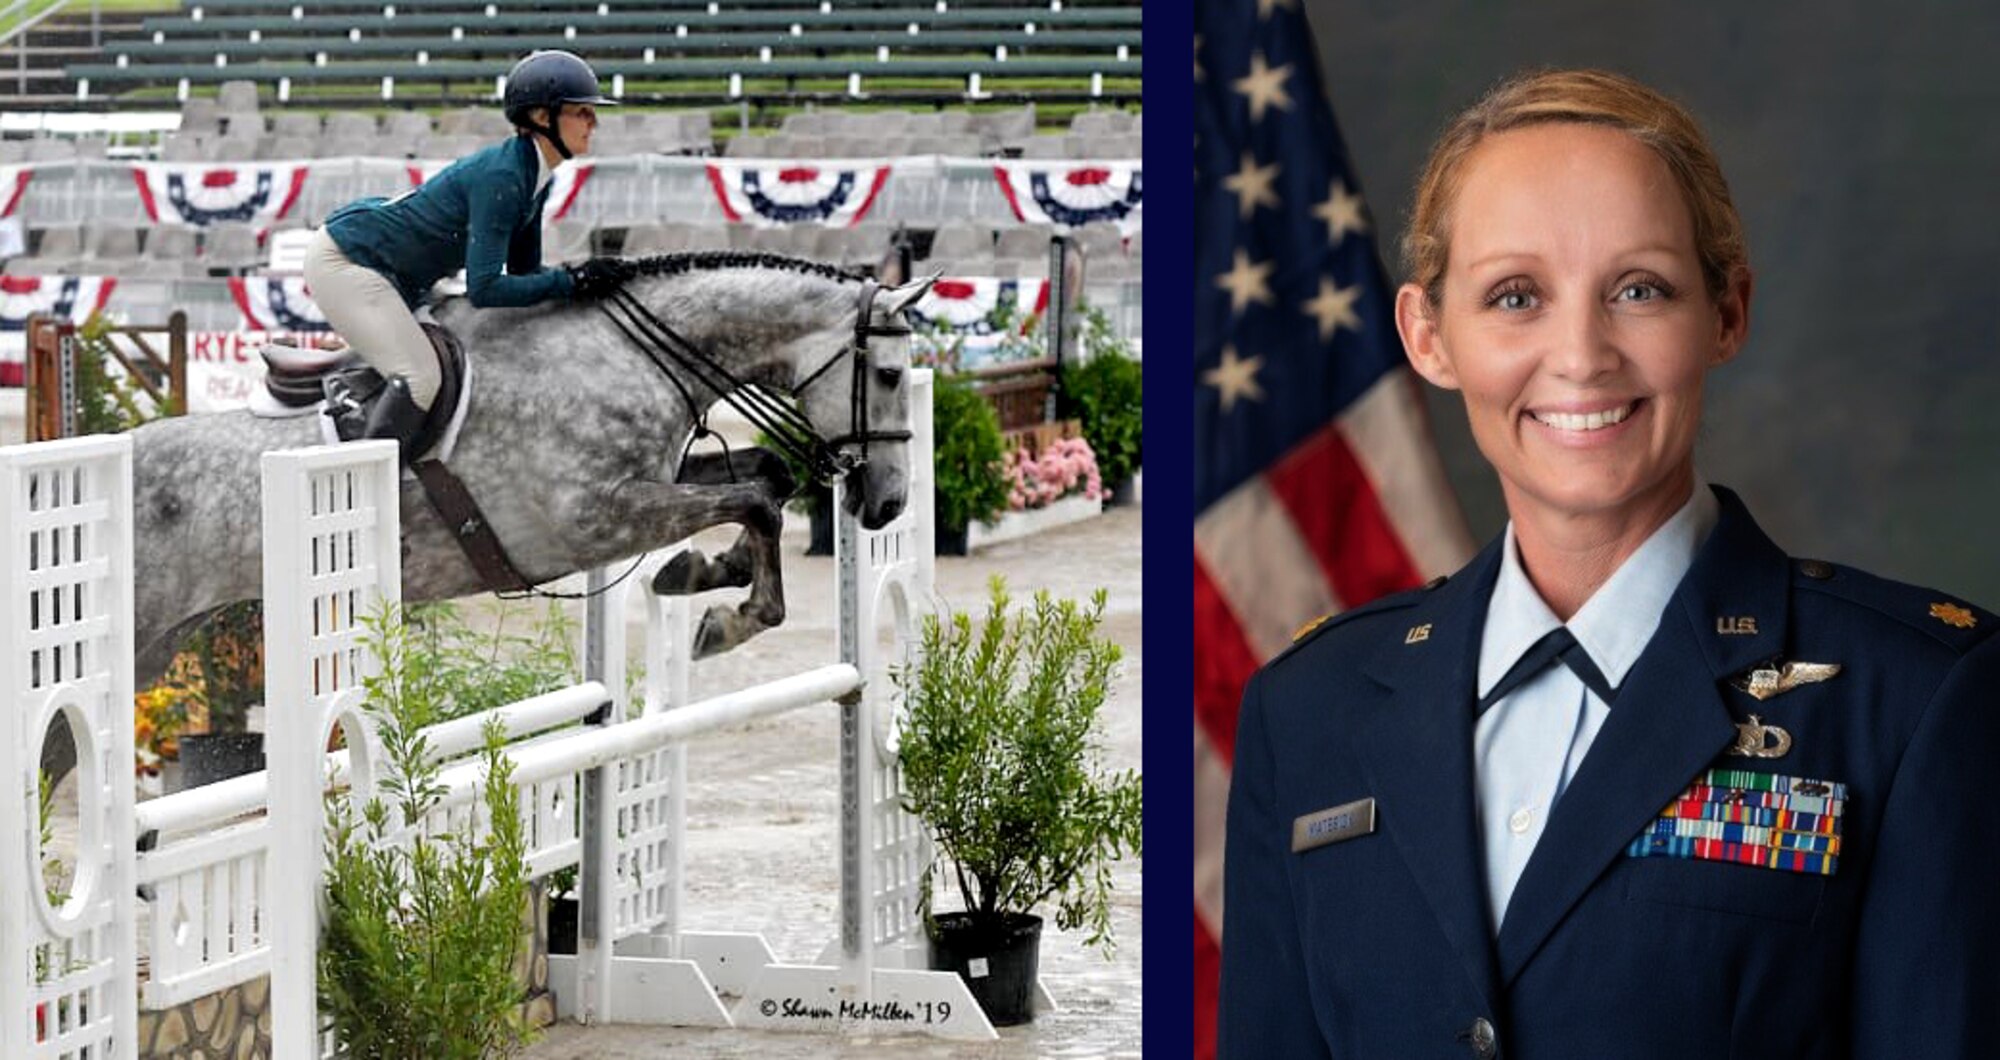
x=481, y=214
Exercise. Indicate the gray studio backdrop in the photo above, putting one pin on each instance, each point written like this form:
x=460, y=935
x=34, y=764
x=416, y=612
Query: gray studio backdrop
x=1862, y=421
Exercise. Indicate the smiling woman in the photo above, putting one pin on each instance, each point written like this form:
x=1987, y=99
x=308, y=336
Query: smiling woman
x=1746, y=765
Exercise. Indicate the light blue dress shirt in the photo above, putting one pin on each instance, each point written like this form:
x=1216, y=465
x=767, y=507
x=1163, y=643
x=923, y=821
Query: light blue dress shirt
x=1528, y=745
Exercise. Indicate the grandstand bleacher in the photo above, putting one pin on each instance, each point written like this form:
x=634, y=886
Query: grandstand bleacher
x=916, y=112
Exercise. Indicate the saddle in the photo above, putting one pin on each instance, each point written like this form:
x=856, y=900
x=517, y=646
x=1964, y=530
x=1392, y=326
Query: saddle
x=299, y=378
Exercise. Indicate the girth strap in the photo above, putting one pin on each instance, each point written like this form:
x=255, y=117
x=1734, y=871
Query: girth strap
x=469, y=527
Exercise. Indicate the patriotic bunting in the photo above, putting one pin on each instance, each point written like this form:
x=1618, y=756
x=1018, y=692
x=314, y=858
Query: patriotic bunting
x=72, y=298
x=564, y=184
x=1073, y=194
x=201, y=194
x=276, y=303
x=833, y=193
x=981, y=315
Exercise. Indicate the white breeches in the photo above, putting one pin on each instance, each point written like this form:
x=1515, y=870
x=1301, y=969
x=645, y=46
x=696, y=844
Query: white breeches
x=369, y=313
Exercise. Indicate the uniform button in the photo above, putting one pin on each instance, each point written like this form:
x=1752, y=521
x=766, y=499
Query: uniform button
x=1816, y=569
x=1485, y=1044
x=1521, y=819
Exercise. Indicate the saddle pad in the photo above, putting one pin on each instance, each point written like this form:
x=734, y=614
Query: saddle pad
x=264, y=406
x=1750, y=818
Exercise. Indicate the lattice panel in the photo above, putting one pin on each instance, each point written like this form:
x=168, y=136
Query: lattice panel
x=343, y=572
x=641, y=801
x=67, y=960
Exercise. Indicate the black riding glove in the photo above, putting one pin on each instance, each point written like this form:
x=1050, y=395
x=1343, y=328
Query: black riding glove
x=600, y=276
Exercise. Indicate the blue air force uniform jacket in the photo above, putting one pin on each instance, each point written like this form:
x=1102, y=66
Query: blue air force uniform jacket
x=1628, y=935
x=480, y=214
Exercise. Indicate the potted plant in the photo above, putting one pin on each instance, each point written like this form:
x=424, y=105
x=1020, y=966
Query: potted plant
x=1104, y=395
x=999, y=752
x=968, y=455
x=225, y=667
x=422, y=929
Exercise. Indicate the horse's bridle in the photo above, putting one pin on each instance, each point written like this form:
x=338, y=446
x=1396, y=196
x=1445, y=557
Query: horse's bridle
x=785, y=424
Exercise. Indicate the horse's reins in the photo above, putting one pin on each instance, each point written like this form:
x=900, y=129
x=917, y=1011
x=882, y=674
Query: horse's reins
x=784, y=423
x=825, y=459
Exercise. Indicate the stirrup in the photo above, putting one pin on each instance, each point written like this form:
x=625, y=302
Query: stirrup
x=395, y=415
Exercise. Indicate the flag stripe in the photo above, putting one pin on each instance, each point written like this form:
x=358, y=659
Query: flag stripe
x=1330, y=501
x=1262, y=564
x=1224, y=662
x=1211, y=801
x=1408, y=478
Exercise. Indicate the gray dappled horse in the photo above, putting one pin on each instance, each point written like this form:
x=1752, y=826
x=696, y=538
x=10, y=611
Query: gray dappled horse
x=572, y=446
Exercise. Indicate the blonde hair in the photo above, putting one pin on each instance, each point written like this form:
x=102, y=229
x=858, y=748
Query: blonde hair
x=1587, y=97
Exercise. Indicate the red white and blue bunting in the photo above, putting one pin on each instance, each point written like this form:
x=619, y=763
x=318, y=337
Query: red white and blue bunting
x=833, y=193
x=1073, y=194
x=276, y=303
x=72, y=298
x=564, y=184
x=976, y=320
x=978, y=305
x=201, y=194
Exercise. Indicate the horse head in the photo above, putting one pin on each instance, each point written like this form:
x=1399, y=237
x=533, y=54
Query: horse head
x=860, y=402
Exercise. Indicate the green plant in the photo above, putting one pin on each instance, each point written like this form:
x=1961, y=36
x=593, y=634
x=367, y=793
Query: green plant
x=227, y=650
x=467, y=670
x=1104, y=394
x=422, y=926
x=999, y=758
x=968, y=455
x=107, y=402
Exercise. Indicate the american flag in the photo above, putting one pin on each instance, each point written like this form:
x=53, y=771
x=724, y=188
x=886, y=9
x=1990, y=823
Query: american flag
x=1316, y=484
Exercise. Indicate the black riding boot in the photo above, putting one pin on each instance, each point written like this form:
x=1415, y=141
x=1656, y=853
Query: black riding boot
x=395, y=415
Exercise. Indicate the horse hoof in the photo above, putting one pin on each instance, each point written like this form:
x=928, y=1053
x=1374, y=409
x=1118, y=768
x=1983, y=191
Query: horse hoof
x=712, y=638
x=677, y=577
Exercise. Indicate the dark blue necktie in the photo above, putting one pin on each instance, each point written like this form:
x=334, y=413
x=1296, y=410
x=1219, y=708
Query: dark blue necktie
x=1558, y=644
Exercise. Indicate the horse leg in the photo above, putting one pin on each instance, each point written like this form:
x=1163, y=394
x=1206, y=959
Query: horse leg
x=693, y=571
x=687, y=509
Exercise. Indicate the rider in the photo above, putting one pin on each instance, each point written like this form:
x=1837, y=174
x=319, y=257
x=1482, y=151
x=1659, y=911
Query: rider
x=375, y=259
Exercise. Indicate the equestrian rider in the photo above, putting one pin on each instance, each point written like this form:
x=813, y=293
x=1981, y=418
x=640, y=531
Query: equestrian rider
x=375, y=259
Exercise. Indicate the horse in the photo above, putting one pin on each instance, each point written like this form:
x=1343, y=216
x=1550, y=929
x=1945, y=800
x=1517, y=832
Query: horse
x=575, y=445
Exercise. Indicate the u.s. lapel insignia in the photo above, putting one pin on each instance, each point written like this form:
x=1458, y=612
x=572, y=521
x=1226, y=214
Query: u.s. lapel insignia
x=1954, y=615
x=1753, y=736
x=1418, y=634
x=1737, y=625
x=1773, y=679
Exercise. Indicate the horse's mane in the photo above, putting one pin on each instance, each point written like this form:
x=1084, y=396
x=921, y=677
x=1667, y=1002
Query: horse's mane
x=706, y=260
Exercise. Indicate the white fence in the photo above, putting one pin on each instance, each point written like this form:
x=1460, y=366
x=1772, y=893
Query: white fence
x=231, y=871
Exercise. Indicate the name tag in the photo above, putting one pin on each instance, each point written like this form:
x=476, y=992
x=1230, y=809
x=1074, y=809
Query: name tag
x=1345, y=821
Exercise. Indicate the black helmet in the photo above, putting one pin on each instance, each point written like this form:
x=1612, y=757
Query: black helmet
x=550, y=79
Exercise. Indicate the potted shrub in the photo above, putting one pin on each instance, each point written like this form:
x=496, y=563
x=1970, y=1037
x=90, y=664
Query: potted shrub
x=224, y=668
x=422, y=929
x=1103, y=394
x=999, y=751
x=968, y=456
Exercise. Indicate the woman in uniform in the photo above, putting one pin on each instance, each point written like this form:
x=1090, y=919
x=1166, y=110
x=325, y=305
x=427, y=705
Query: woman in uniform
x=1635, y=782
x=375, y=260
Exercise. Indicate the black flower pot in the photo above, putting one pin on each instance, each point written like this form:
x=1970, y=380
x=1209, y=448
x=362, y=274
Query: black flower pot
x=1122, y=493
x=562, y=925
x=822, y=526
x=210, y=757
x=996, y=956
x=949, y=541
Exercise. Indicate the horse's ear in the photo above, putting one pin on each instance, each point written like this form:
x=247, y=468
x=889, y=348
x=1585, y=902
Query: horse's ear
x=903, y=296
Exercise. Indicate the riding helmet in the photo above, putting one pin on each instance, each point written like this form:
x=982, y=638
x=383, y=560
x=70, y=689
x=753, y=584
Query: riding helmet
x=550, y=79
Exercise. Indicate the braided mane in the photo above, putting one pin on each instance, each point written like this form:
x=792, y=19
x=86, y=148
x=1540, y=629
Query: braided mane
x=707, y=260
